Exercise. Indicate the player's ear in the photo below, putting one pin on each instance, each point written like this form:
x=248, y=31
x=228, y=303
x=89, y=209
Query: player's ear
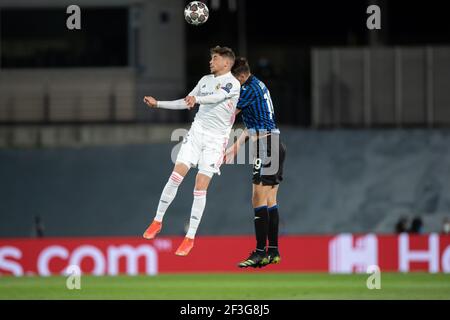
x=230, y=63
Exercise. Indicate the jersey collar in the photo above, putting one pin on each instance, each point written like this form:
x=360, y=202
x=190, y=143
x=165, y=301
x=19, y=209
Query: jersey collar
x=246, y=83
x=223, y=75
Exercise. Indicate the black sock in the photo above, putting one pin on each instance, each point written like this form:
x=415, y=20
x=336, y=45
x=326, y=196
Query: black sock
x=274, y=219
x=261, y=227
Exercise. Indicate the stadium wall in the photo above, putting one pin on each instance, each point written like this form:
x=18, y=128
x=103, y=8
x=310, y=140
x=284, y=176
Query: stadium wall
x=380, y=86
x=335, y=181
x=82, y=94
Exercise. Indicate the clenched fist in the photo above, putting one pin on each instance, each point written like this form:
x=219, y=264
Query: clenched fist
x=190, y=101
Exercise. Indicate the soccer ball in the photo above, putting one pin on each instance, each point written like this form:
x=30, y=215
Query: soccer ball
x=196, y=13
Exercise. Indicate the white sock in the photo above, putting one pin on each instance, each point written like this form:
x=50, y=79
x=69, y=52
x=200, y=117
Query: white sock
x=196, y=212
x=168, y=194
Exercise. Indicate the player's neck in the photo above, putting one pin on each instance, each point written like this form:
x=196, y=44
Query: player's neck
x=221, y=72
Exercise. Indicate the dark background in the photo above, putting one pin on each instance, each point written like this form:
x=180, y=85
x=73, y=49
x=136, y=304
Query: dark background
x=284, y=33
x=279, y=38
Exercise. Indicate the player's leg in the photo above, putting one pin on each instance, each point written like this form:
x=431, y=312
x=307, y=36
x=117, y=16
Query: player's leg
x=168, y=194
x=260, y=194
x=259, y=201
x=264, y=195
x=170, y=190
x=274, y=218
x=273, y=253
x=198, y=206
x=261, y=222
x=187, y=156
x=210, y=159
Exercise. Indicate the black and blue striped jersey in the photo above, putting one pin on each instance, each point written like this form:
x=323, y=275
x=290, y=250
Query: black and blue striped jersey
x=256, y=105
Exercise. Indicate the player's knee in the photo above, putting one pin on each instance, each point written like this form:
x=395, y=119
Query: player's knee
x=259, y=203
x=258, y=199
x=272, y=196
x=181, y=168
x=202, y=180
x=271, y=200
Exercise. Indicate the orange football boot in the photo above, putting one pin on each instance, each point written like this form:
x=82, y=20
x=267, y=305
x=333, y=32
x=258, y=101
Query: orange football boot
x=185, y=247
x=153, y=229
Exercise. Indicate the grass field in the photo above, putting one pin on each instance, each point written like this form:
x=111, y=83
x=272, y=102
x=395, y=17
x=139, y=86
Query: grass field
x=231, y=286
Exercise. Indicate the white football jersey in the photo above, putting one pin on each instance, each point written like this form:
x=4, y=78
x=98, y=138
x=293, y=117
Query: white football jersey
x=218, y=97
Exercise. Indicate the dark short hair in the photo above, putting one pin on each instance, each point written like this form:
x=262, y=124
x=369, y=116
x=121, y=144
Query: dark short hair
x=240, y=66
x=223, y=52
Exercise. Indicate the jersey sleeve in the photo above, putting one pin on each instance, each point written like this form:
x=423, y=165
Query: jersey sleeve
x=179, y=104
x=245, y=98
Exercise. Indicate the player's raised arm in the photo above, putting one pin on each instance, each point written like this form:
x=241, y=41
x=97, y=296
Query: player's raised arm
x=174, y=105
x=179, y=104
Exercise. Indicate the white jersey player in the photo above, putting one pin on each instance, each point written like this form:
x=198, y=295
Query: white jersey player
x=204, y=146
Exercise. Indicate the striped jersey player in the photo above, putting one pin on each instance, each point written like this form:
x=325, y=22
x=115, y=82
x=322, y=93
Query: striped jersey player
x=256, y=107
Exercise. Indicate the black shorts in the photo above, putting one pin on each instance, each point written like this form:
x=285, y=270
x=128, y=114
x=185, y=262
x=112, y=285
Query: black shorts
x=269, y=161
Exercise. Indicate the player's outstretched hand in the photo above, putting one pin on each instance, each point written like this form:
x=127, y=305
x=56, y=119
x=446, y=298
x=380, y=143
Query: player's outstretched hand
x=190, y=101
x=150, y=101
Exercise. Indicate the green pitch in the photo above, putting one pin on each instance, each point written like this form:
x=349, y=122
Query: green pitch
x=231, y=286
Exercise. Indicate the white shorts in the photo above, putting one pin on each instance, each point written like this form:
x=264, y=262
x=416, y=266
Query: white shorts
x=203, y=150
